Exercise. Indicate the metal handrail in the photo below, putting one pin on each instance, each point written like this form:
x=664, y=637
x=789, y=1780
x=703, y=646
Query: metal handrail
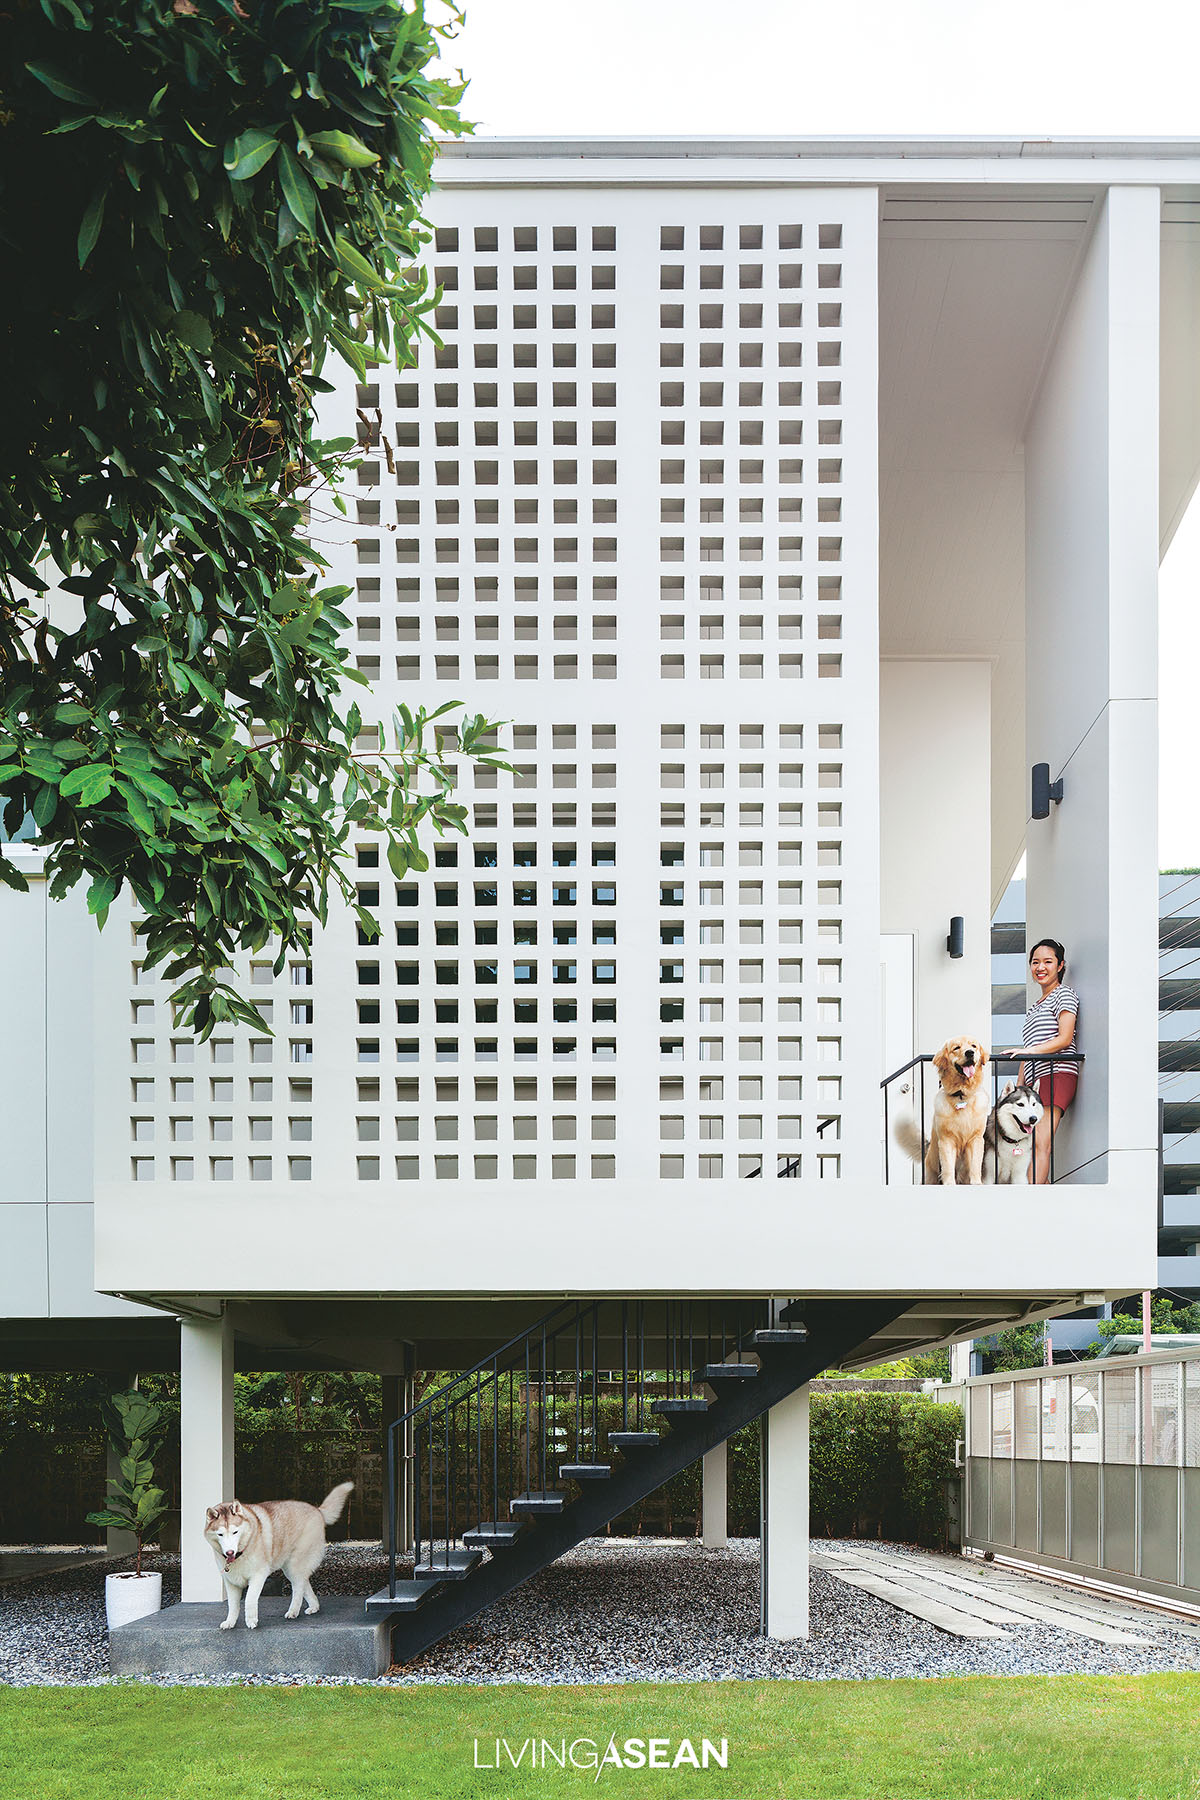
x=996, y=1056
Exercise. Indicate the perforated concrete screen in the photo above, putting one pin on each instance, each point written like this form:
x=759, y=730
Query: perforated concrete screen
x=616, y=507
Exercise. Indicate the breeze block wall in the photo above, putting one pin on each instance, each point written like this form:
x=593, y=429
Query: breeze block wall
x=629, y=506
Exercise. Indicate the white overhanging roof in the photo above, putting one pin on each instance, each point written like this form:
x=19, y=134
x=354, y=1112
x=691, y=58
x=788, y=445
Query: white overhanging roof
x=957, y=157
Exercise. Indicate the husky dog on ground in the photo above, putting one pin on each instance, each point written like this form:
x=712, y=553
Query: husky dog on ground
x=1008, y=1139
x=251, y=1542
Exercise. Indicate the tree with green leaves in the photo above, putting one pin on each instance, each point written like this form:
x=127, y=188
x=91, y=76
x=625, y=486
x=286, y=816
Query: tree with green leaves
x=200, y=203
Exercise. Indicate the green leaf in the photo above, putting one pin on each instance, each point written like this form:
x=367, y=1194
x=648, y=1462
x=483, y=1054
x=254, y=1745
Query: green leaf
x=91, y=783
x=41, y=761
x=13, y=878
x=195, y=331
x=154, y=785
x=340, y=147
x=45, y=805
x=199, y=683
x=297, y=191
x=58, y=84
x=117, y=1521
x=138, y=810
x=89, y=229
x=353, y=352
x=101, y=894
x=356, y=266
x=247, y=154
x=298, y=629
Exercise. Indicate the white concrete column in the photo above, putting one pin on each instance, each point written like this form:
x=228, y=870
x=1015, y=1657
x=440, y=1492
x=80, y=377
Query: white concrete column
x=205, y=1443
x=784, y=1542
x=714, y=1500
x=1092, y=546
x=960, y=1360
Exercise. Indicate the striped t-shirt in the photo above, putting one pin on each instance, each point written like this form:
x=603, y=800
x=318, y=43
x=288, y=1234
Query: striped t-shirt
x=1041, y=1025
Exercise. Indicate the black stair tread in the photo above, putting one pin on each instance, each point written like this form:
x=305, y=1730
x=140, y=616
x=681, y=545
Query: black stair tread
x=408, y=1596
x=735, y=1371
x=490, y=1532
x=543, y=1500
x=584, y=1471
x=779, y=1334
x=442, y=1565
x=696, y=1403
x=634, y=1440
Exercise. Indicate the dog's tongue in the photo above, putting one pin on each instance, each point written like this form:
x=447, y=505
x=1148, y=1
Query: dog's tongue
x=230, y=1556
x=969, y=1070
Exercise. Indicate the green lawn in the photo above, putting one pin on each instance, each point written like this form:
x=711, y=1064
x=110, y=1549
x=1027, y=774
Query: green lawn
x=1069, y=1737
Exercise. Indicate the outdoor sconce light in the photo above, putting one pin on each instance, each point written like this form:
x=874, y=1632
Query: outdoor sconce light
x=954, y=943
x=1044, y=790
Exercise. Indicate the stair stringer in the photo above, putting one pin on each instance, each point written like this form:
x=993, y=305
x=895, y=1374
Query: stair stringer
x=834, y=1329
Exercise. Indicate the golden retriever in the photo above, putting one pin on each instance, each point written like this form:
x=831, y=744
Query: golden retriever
x=954, y=1152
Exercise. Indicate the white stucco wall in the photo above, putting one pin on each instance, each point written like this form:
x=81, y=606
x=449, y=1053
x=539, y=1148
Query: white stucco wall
x=935, y=835
x=1091, y=591
x=47, y=954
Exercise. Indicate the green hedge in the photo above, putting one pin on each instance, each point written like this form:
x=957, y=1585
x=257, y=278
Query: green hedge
x=880, y=1462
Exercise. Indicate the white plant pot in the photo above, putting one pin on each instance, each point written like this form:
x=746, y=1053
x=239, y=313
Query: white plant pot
x=129, y=1597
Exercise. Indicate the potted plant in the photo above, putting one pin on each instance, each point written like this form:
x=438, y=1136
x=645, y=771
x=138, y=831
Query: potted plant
x=135, y=1430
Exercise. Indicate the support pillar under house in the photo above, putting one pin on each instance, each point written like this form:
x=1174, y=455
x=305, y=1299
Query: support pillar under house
x=205, y=1444
x=784, y=1541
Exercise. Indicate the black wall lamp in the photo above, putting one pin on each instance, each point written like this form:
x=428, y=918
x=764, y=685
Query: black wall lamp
x=1044, y=790
x=954, y=943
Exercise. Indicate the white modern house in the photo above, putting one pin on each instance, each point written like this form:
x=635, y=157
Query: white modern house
x=791, y=499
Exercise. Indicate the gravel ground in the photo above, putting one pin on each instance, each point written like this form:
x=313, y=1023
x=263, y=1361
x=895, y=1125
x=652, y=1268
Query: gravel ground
x=646, y=1609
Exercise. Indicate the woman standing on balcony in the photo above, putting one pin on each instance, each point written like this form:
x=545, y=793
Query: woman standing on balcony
x=1050, y=1026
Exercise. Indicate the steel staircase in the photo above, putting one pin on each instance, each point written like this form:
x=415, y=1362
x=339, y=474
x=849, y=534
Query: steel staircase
x=569, y=1424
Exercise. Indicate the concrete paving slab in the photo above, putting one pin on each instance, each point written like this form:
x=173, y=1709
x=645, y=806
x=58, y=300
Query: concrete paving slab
x=1137, y=1614
x=946, y=1618
x=1041, y=1608
x=981, y=1607
x=187, y=1640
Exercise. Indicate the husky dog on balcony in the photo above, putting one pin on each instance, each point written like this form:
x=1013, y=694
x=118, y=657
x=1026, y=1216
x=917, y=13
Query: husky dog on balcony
x=1008, y=1139
x=251, y=1542
x=954, y=1153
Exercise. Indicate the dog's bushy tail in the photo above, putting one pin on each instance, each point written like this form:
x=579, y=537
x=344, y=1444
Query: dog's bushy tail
x=332, y=1505
x=908, y=1135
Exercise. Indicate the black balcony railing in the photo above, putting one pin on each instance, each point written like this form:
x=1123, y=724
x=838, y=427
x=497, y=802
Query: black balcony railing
x=910, y=1092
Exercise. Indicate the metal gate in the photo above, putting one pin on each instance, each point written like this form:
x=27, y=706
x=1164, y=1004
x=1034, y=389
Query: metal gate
x=1094, y=1471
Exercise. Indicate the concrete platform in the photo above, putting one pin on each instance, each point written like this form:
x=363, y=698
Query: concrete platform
x=187, y=1640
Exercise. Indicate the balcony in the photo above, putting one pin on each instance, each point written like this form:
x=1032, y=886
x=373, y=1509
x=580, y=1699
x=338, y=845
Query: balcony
x=909, y=1093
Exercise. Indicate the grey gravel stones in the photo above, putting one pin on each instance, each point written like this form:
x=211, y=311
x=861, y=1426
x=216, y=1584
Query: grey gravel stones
x=644, y=1609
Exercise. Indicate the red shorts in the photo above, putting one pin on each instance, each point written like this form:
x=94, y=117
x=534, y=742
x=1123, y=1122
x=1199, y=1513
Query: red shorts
x=1063, y=1086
